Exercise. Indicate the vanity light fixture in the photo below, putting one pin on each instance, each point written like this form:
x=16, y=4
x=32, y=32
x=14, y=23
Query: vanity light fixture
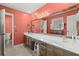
x=41, y=15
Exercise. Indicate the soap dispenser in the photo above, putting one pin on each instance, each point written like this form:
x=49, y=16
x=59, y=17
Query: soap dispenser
x=73, y=38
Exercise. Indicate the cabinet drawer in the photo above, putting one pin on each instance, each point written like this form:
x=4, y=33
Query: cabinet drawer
x=42, y=50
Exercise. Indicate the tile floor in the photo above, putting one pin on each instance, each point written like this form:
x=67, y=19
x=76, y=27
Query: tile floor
x=17, y=51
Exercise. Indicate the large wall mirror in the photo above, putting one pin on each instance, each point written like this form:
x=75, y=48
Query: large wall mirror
x=57, y=24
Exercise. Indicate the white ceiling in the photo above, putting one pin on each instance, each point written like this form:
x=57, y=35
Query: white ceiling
x=25, y=7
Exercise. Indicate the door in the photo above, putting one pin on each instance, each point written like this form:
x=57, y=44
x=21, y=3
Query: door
x=2, y=31
x=71, y=26
x=8, y=31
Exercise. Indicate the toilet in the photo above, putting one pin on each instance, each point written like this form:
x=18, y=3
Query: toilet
x=7, y=39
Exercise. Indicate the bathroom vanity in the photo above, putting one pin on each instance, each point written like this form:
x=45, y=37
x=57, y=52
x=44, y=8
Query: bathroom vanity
x=51, y=45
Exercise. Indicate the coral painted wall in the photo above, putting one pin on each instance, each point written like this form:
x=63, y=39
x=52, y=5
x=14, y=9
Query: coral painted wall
x=52, y=7
x=36, y=25
x=21, y=20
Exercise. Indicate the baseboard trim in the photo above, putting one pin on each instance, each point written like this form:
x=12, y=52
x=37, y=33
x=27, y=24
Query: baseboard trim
x=22, y=44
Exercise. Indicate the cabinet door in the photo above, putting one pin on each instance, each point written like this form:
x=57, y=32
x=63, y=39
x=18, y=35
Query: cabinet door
x=50, y=52
x=58, y=51
x=42, y=50
x=25, y=40
x=68, y=53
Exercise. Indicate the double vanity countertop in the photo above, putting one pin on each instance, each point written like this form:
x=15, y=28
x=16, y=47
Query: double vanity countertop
x=56, y=40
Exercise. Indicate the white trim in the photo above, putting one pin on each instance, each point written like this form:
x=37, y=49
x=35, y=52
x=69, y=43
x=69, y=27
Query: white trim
x=13, y=30
x=4, y=27
x=62, y=12
x=10, y=14
x=22, y=44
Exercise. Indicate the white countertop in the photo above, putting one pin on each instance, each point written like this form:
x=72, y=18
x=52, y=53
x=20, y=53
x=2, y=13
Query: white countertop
x=59, y=41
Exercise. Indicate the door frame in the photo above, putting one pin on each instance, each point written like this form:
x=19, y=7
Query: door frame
x=2, y=31
x=12, y=15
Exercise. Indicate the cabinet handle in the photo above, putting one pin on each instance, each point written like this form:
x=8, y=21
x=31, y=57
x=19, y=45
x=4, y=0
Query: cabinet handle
x=43, y=46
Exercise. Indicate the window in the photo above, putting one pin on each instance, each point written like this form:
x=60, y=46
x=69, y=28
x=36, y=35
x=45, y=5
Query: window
x=57, y=24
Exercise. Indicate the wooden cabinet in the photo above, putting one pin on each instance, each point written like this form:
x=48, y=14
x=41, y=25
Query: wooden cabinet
x=54, y=51
x=42, y=50
x=58, y=51
x=25, y=40
x=68, y=53
x=47, y=49
x=50, y=52
x=28, y=41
